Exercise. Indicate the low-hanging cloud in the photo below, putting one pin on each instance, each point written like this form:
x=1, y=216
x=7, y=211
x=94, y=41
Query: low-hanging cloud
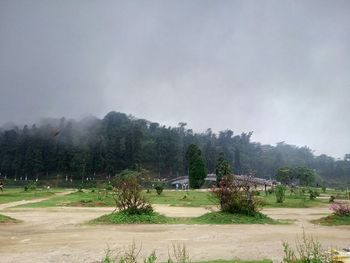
x=278, y=68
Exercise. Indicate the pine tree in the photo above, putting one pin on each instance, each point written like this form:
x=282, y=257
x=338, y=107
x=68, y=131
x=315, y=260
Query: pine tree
x=197, y=170
x=222, y=168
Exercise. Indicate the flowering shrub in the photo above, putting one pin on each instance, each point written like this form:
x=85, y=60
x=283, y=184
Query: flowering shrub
x=236, y=196
x=341, y=209
x=127, y=194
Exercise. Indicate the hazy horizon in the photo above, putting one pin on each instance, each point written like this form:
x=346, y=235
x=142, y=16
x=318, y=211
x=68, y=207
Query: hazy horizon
x=279, y=69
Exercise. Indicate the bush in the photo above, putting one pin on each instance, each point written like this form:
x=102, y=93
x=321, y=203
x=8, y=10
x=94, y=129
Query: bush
x=256, y=193
x=236, y=196
x=270, y=191
x=159, y=189
x=109, y=187
x=30, y=187
x=340, y=209
x=127, y=193
x=313, y=194
x=331, y=199
x=280, y=193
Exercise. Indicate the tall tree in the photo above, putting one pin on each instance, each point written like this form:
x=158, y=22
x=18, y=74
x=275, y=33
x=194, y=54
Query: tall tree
x=222, y=168
x=197, y=170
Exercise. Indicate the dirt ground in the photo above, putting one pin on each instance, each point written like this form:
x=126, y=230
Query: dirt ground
x=60, y=235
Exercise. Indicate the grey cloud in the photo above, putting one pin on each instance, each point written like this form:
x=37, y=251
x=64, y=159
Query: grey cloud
x=278, y=68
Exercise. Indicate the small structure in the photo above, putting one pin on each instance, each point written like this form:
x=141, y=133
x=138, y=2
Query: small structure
x=347, y=157
x=212, y=178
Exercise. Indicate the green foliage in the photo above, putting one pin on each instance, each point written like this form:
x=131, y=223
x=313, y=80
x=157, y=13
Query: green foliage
x=236, y=196
x=313, y=194
x=305, y=176
x=233, y=218
x=285, y=175
x=280, y=192
x=30, y=187
x=12, y=195
x=117, y=142
x=84, y=198
x=222, y=168
x=209, y=218
x=125, y=217
x=333, y=220
x=159, y=189
x=271, y=190
x=127, y=193
x=197, y=170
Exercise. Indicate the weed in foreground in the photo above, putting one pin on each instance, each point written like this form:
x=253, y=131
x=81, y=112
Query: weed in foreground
x=131, y=255
x=308, y=250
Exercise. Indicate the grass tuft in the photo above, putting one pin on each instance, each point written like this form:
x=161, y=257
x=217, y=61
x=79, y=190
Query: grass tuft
x=333, y=220
x=6, y=219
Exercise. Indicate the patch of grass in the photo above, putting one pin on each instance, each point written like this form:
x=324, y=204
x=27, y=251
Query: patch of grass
x=85, y=199
x=333, y=220
x=291, y=201
x=13, y=195
x=227, y=218
x=182, y=198
x=215, y=218
x=92, y=199
x=126, y=218
x=7, y=219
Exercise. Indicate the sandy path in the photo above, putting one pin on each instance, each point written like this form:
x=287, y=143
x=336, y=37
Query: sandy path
x=57, y=235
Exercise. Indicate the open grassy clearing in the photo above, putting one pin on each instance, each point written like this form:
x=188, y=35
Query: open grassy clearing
x=182, y=198
x=7, y=219
x=333, y=220
x=291, y=201
x=78, y=198
x=209, y=218
x=13, y=195
x=97, y=198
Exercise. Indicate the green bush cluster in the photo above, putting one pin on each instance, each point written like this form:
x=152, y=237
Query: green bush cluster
x=236, y=196
x=280, y=193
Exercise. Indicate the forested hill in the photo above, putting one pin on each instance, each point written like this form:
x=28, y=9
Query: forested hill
x=118, y=142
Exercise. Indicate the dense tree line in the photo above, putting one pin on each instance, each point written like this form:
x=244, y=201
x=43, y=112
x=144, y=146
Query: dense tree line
x=95, y=147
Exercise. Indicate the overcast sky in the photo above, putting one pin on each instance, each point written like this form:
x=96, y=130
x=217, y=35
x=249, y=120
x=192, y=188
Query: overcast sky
x=278, y=68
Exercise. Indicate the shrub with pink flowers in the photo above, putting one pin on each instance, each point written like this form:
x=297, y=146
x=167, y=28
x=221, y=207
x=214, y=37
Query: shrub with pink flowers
x=340, y=208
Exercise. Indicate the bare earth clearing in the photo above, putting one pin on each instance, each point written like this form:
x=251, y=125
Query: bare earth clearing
x=59, y=235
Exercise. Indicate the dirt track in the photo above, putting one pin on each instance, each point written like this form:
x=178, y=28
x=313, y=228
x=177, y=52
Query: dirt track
x=58, y=235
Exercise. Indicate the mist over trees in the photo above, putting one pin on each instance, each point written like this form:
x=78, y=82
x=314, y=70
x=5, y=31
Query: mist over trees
x=95, y=147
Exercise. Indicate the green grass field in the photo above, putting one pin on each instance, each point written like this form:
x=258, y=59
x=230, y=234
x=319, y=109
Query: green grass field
x=92, y=199
x=191, y=198
x=291, y=201
x=85, y=198
x=12, y=195
x=182, y=198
